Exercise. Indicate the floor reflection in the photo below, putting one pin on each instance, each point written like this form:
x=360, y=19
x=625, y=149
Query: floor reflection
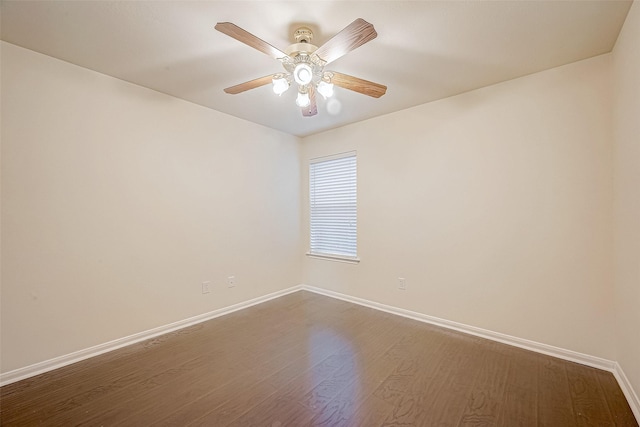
x=336, y=371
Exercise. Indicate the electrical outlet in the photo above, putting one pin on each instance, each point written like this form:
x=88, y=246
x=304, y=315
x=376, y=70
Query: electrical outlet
x=231, y=281
x=206, y=287
x=402, y=284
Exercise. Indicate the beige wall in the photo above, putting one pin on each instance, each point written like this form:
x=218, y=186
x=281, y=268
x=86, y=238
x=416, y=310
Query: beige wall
x=626, y=65
x=494, y=205
x=118, y=201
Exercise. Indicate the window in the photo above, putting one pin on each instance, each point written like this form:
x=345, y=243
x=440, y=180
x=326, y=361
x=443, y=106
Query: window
x=332, y=194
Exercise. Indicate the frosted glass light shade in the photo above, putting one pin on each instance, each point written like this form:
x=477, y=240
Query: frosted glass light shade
x=325, y=89
x=280, y=86
x=303, y=99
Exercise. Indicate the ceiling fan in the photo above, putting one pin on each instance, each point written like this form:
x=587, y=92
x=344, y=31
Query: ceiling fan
x=304, y=63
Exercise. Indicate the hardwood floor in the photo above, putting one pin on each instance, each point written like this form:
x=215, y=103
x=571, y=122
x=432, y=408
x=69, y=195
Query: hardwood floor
x=305, y=359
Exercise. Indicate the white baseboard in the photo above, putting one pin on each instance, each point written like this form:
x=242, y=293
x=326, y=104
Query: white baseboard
x=561, y=353
x=58, y=362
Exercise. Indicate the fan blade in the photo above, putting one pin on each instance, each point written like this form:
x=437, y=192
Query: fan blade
x=249, y=39
x=352, y=36
x=252, y=84
x=312, y=108
x=358, y=85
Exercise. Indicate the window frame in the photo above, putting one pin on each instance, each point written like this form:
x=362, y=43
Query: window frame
x=314, y=252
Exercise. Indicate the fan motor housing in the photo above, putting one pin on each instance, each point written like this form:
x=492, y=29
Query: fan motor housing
x=298, y=48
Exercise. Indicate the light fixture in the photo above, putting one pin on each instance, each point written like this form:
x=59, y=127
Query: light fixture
x=309, y=76
x=325, y=89
x=306, y=71
x=303, y=74
x=280, y=84
x=303, y=99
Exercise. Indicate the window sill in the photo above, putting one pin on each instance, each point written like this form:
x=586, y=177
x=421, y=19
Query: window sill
x=338, y=258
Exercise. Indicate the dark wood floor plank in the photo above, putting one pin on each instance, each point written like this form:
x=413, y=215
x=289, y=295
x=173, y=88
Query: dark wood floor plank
x=404, y=355
x=304, y=359
x=589, y=403
x=520, y=406
x=554, y=397
x=618, y=405
x=224, y=404
x=371, y=412
x=422, y=370
x=121, y=404
x=488, y=392
x=237, y=394
x=452, y=386
x=283, y=406
x=341, y=407
x=352, y=405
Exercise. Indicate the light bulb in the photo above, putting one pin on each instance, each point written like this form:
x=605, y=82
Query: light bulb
x=325, y=89
x=303, y=74
x=303, y=99
x=280, y=85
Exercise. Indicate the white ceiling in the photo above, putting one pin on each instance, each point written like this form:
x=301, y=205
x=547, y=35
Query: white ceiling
x=425, y=50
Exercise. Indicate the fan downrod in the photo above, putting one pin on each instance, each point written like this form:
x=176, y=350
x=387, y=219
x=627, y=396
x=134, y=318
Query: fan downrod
x=302, y=37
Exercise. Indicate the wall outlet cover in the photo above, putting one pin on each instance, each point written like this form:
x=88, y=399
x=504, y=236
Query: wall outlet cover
x=206, y=287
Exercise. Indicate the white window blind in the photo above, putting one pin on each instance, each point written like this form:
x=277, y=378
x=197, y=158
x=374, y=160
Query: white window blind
x=332, y=190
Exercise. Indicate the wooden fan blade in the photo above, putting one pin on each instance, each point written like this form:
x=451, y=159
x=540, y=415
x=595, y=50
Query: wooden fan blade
x=249, y=39
x=312, y=108
x=352, y=36
x=358, y=85
x=252, y=84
